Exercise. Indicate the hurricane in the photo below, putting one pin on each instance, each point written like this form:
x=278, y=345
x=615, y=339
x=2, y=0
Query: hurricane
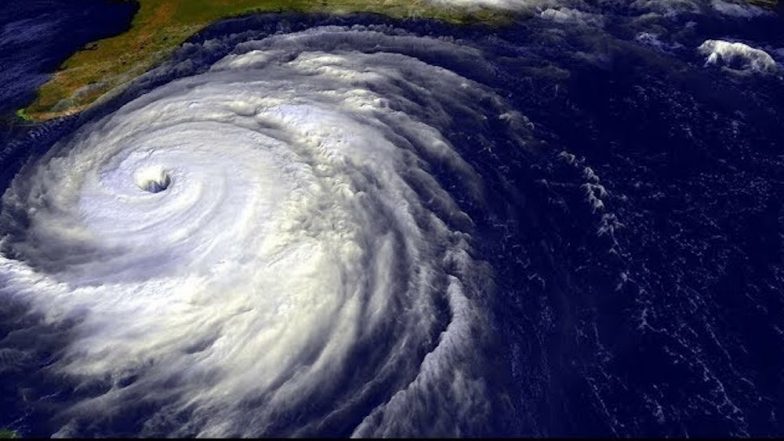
x=228, y=243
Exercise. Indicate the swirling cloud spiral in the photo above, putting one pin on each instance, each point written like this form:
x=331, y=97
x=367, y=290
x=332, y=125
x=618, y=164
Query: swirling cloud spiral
x=264, y=248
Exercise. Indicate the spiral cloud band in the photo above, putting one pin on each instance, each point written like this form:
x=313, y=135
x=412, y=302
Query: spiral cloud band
x=231, y=243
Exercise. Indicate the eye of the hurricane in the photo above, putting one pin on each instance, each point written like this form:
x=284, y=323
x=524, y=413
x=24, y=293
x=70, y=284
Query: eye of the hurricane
x=153, y=179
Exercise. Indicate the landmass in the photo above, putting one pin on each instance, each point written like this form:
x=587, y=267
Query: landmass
x=160, y=26
x=8, y=434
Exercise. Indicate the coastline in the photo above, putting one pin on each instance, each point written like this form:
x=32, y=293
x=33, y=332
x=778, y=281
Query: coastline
x=159, y=27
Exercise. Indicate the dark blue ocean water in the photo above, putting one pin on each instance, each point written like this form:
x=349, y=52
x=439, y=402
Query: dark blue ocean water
x=636, y=241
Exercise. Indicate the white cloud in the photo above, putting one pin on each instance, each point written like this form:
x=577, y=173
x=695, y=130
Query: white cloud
x=738, y=57
x=299, y=224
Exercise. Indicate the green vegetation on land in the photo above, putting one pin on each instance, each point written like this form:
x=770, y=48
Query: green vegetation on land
x=22, y=114
x=160, y=26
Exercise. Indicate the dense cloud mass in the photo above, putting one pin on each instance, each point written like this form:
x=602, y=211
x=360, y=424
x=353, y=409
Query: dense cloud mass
x=738, y=56
x=241, y=235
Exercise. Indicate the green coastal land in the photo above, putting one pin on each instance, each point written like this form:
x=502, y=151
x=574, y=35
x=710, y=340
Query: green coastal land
x=160, y=26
